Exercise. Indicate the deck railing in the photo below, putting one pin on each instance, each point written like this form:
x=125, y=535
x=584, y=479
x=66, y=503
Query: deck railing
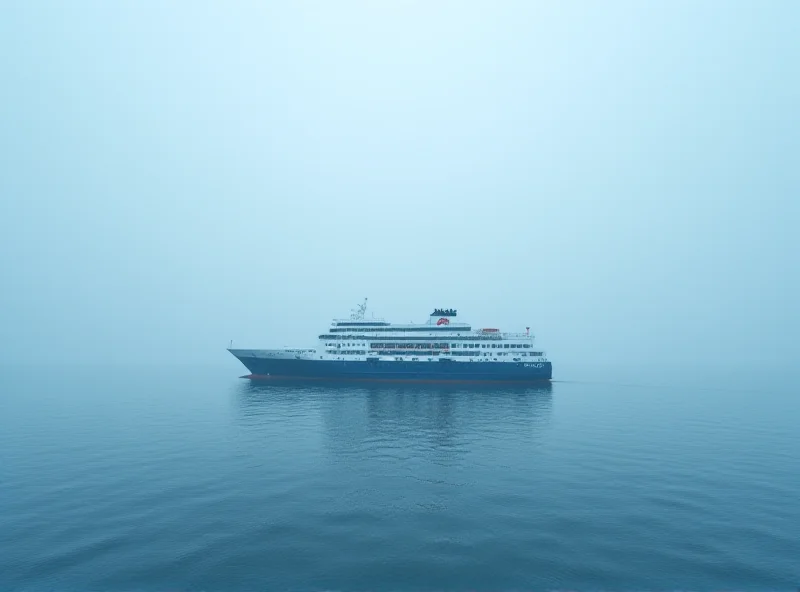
x=477, y=335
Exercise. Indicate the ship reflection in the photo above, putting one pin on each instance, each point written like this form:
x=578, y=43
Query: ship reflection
x=450, y=419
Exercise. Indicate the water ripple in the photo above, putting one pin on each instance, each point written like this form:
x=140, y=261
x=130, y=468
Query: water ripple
x=214, y=484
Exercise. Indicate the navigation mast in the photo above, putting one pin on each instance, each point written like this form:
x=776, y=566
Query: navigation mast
x=358, y=313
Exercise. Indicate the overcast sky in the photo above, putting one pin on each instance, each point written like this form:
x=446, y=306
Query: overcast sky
x=622, y=176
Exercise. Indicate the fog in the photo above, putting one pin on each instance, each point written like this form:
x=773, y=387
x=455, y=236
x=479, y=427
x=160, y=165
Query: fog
x=622, y=177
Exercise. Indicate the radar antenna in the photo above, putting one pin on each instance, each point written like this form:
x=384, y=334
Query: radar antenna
x=358, y=313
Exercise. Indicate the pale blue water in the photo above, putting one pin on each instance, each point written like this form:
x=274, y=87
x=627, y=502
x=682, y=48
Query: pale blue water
x=193, y=479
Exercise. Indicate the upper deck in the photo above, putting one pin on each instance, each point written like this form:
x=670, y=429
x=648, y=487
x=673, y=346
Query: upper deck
x=440, y=324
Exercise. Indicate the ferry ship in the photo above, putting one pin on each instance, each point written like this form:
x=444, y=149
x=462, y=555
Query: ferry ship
x=440, y=349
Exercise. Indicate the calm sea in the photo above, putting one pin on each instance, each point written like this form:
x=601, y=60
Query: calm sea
x=191, y=479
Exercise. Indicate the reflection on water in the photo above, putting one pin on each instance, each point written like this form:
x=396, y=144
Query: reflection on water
x=449, y=408
x=442, y=420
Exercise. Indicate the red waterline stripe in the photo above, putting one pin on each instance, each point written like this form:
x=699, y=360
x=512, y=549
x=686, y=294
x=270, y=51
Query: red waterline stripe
x=415, y=380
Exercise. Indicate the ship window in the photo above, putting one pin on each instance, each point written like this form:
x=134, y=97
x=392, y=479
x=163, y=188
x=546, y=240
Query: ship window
x=505, y=346
x=526, y=345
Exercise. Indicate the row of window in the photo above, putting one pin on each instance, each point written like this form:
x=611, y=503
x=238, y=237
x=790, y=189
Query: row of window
x=488, y=354
x=467, y=337
x=442, y=346
x=358, y=352
x=426, y=328
x=409, y=345
x=495, y=345
x=363, y=324
x=392, y=352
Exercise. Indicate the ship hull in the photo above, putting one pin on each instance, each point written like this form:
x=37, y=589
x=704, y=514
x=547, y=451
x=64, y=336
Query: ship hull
x=436, y=371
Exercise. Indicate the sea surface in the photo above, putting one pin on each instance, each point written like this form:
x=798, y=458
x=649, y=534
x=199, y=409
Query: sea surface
x=193, y=479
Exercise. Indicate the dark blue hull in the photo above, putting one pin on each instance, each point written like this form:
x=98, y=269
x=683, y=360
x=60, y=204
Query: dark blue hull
x=445, y=371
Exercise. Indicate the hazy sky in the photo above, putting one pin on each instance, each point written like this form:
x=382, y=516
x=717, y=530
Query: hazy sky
x=622, y=176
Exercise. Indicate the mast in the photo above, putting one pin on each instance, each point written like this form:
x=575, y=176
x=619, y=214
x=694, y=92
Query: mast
x=358, y=313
